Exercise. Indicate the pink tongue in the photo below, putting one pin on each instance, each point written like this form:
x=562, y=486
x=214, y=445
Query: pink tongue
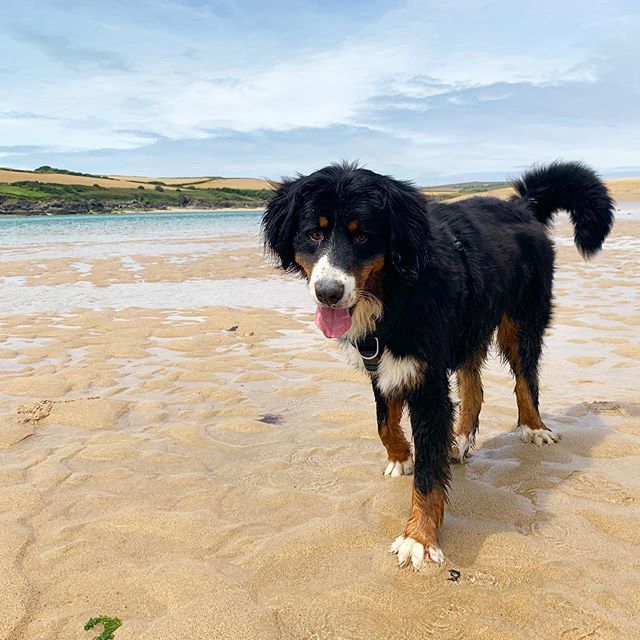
x=333, y=322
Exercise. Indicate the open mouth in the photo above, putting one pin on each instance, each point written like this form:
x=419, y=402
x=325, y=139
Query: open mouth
x=334, y=323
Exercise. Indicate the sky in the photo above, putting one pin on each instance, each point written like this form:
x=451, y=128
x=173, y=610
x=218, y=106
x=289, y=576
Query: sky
x=428, y=91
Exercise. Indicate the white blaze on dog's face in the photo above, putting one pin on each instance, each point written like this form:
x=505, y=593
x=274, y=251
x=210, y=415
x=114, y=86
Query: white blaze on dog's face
x=335, y=292
x=330, y=285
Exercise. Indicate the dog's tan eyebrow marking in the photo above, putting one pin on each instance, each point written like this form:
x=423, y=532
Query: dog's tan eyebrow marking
x=352, y=226
x=323, y=222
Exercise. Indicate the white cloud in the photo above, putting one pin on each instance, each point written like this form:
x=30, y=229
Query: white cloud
x=313, y=90
x=390, y=75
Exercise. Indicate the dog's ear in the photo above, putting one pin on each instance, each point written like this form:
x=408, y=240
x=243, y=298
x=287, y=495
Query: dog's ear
x=408, y=228
x=280, y=221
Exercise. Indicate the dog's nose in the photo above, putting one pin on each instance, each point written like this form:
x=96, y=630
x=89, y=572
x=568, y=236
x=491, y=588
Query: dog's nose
x=329, y=291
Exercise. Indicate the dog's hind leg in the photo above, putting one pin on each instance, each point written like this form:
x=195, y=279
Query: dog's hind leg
x=471, y=395
x=521, y=345
x=389, y=414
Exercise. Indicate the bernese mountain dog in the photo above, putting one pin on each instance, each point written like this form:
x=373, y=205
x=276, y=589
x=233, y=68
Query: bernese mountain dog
x=415, y=290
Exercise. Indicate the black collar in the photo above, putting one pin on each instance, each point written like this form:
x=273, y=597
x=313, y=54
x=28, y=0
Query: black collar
x=372, y=346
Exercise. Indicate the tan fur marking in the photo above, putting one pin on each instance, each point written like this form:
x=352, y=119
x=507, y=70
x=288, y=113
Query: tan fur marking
x=364, y=276
x=352, y=226
x=508, y=340
x=398, y=449
x=365, y=316
x=527, y=413
x=427, y=513
x=307, y=265
x=323, y=222
x=368, y=309
x=471, y=395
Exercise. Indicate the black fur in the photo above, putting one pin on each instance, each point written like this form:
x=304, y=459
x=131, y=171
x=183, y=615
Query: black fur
x=576, y=188
x=470, y=264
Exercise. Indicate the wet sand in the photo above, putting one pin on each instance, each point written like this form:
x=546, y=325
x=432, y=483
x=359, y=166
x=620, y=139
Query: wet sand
x=204, y=465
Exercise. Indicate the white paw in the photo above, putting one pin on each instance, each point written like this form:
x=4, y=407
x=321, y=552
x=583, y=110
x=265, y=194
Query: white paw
x=408, y=548
x=460, y=448
x=395, y=469
x=538, y=436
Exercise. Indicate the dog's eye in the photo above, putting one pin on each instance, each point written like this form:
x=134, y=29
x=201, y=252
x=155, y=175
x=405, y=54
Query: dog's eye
x=360, y=238
x=316, y=235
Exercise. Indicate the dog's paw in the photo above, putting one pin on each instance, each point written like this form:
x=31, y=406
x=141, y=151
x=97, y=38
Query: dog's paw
x=460, y=448
x=410, y=550
x=396, y=468
x=538, y=436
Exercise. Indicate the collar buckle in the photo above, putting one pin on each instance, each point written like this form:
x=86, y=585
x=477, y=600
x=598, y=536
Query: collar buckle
x=364, y=347
x=370, y=351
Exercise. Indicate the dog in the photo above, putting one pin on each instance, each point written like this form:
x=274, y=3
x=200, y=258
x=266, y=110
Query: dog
x=415, y=290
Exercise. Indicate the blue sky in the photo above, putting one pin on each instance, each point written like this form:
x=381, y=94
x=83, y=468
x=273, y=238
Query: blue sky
x=430, y=91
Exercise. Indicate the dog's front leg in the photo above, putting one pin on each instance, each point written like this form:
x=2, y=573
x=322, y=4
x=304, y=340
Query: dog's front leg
x=389, y=414
x=431, y=415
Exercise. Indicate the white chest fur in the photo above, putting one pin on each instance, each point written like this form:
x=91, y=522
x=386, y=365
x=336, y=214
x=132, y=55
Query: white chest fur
x=394, y=373
x=398, y=373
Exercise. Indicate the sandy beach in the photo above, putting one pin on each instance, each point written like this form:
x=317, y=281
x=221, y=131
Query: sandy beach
x=181, y=448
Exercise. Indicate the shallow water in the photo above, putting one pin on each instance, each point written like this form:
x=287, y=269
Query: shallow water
x=18, y=231
x=194, y=294
x=177, y=238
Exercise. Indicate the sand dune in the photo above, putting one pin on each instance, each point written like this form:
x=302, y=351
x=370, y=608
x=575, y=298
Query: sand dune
x=235, y=183
x=203, y=182
x=9, y=176
x=622, y=190
x=168, y=181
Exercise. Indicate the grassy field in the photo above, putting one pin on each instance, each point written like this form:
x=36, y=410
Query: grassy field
x=10, y=176
x=33, y=197
x=51, y=175
x=462, y=189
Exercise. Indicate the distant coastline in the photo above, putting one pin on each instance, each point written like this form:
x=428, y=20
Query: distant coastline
x=124, y=210
x=51, y=191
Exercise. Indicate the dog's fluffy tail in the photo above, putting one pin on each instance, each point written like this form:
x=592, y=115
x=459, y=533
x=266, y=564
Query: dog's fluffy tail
x=576, y=188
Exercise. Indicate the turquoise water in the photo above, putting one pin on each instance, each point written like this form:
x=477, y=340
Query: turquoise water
x=175, y=237
x=18, y=231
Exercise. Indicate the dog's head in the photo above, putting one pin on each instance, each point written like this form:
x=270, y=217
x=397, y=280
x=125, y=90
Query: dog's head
x=340, y=227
